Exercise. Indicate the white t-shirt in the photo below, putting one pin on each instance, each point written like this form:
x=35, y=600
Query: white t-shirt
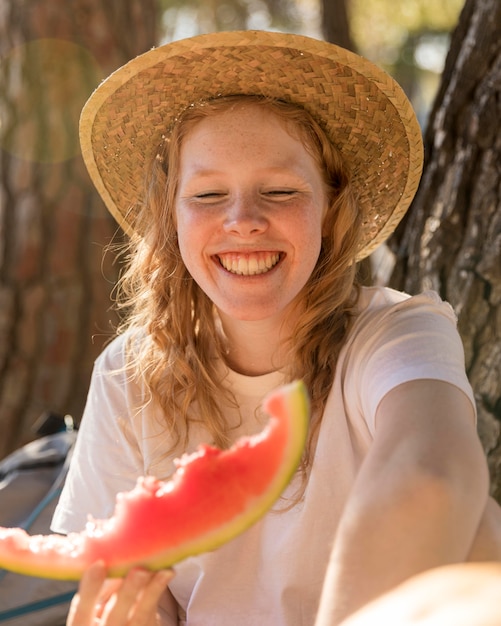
x=272, y=574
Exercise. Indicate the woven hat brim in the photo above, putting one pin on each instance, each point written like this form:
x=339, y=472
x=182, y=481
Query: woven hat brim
x=363, y=110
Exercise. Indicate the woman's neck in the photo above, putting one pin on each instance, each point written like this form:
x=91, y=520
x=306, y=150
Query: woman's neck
x=254, y=347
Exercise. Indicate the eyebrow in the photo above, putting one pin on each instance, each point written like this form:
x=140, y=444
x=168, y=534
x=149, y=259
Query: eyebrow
x=201, y=171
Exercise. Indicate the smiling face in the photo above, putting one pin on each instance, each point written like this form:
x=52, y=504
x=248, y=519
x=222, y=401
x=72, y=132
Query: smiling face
x=249, y=209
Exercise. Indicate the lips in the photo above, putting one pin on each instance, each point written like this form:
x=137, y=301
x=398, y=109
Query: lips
x=249, y=264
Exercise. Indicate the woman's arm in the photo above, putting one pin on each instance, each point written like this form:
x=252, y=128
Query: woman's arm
x=417, y=501
x=487, y=543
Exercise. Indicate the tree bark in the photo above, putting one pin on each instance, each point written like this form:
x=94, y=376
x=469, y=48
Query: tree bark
x=54, y=285
x=451, y=239
x=336, y=25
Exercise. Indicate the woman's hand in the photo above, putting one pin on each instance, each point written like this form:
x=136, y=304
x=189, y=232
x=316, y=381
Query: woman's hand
x=131, y=601
x=451, y=595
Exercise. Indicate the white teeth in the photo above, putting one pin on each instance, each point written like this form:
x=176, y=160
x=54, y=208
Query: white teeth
x=249, y=264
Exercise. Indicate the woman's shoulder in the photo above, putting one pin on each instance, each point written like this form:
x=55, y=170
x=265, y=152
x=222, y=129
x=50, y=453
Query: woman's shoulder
x=382, y=301
x=116, y=355
x=384, y=314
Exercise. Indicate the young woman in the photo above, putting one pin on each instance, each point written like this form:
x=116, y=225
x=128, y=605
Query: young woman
x=252, y=171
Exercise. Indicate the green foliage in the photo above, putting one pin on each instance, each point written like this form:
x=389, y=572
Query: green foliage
x=381, y=27
x=183, y=18
x=409, y=38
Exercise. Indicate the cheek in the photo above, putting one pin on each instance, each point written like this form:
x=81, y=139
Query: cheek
x=312, y=244
x=185, y=244
x=191, y=235
x=182, y=230
x=310, y=235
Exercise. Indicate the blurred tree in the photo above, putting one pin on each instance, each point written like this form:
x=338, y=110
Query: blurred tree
x=409, y=39
x=186, y=18
x=451, y=239
x=381, y=27
x=54, y=301
x=336, y=26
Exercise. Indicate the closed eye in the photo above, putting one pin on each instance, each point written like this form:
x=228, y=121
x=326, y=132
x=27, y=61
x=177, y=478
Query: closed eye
x=209, y=195
x=280, y=192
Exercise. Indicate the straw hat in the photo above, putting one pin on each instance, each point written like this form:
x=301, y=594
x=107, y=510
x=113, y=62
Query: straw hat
x=363, y=110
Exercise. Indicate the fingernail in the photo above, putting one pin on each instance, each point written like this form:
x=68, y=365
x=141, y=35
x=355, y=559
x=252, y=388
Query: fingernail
x=140, y=575
x=165, y=576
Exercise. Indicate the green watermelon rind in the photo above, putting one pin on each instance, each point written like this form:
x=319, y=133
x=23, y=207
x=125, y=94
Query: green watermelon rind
x=287, y=406
x=295, y=392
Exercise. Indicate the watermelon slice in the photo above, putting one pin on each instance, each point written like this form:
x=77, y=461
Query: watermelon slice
x=213, y=496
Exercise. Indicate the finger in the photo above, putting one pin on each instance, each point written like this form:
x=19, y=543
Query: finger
x=145, y=609
x=117, y=611
x=83, y=606
x=108, y=590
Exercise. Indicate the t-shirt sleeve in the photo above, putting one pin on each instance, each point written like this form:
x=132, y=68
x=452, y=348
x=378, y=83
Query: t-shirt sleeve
x=415, y=338
x=107, y=457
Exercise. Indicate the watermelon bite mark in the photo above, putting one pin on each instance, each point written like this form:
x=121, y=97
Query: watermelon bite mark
x=212, y=497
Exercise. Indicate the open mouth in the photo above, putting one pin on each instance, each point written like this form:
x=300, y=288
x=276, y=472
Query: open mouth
x=249, y=264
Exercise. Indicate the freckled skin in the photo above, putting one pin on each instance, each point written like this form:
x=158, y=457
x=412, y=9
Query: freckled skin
x=247, y=187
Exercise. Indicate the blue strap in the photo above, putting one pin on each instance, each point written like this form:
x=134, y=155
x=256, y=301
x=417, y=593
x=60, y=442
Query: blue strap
x=46, y=500
x=45, y=603
x=40, y=605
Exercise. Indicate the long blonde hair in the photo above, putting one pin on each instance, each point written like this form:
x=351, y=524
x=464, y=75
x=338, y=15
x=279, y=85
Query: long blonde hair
x=176, y=319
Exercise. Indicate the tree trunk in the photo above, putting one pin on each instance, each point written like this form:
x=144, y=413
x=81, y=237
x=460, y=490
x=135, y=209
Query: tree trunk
x=451, y=239
x=54, y=285
x=335, y=23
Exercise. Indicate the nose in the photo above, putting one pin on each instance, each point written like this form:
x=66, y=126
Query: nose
x=245, y=218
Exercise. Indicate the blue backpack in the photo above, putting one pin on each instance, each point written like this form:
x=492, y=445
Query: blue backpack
x=31, y=479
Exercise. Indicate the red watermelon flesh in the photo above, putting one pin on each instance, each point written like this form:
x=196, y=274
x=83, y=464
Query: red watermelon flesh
x=213, y=496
